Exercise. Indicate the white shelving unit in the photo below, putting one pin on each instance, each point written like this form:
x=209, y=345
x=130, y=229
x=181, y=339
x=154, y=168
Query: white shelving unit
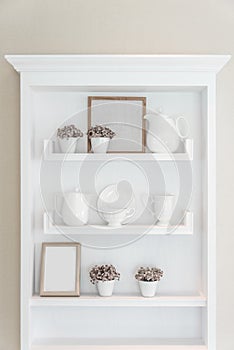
x=54, y=89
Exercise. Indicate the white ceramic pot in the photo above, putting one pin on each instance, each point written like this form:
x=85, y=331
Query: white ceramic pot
x=105, y=289
x=115, y=218
x=148, y=289
x=75, y=209
x=100, y=144
x=163, y=207
x=68, y=145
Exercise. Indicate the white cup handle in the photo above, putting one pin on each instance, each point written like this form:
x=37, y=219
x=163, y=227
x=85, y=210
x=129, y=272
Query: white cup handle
x=182, y=127
x=56, y=207
x=130, y=212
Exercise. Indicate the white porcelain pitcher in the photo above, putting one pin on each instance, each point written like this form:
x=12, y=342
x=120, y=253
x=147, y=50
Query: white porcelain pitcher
x=164, y=133
x=75, y=209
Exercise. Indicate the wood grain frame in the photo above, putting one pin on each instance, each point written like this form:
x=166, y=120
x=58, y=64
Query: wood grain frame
x=76, y=292
x=120, y=98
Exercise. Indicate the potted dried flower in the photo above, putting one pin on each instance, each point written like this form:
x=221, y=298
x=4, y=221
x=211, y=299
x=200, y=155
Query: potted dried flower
x=68, y=137
x=104, y=277
x=148, y=278
x=99, y=137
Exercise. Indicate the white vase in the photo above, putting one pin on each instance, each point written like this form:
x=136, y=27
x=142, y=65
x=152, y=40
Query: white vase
x=105, y=289
x=148, y=289
x=100, y=144
x=68, y=145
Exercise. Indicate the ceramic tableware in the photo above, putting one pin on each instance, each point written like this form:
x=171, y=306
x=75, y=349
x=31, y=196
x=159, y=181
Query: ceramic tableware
x=165, y=134
x=75, y=209
x=114, y=201
x=116, y=218
x=163, y=206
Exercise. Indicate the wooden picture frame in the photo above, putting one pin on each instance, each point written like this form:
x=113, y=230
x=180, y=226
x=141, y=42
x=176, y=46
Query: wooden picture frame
x=60, y=269
x=134, y=107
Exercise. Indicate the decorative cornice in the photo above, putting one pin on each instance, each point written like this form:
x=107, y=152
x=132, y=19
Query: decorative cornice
x=115, y=63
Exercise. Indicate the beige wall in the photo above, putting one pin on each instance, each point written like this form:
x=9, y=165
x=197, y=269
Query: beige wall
x=113, y=26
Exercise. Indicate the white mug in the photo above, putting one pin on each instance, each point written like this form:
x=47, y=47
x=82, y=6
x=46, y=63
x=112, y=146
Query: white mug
x=163, y=206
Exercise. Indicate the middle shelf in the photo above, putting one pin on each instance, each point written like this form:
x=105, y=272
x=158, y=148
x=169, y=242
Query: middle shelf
x=184, y=228
x=91, y=300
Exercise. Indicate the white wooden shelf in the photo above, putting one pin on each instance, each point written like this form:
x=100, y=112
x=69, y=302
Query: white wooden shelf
x=185, y=228
x=50, y=155
x=120, y=301
x=182, y=85
x=118, y=344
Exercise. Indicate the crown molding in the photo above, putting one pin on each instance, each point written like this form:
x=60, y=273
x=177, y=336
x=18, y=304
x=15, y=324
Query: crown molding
x=115, y=63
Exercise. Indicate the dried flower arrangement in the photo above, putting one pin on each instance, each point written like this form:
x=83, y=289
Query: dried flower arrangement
x=103, y=273
x=100, y=131
x=149, y=274
x=69, y=131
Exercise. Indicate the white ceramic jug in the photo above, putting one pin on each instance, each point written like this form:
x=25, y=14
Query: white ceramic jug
x=75, y=209
x=165, y=134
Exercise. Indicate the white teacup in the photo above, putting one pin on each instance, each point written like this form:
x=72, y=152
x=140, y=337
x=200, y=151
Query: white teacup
x=116, y=218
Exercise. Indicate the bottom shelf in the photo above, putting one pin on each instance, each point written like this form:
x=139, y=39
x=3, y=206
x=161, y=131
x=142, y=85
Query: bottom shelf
x=118, y=344
x=121, y=300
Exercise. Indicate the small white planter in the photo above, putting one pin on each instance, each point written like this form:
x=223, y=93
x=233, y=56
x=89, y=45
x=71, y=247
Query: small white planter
x=105, y=289
x=100, y=144
x=68, y=145
x=148, y=289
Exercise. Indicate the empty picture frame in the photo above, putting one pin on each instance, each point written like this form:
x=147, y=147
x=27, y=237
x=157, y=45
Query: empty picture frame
x=123, y=115
x=60, y=269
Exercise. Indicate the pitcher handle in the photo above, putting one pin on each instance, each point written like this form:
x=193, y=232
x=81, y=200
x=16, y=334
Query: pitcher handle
x=55, y=205
x=151, y=201
x=182, y=133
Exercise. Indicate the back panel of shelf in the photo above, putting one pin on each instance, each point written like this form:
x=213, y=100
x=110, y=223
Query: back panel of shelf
x=179, y=256
x=138, y=323
x=50, y=109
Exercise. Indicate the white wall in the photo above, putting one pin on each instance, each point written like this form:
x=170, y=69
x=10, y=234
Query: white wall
x=111, y=26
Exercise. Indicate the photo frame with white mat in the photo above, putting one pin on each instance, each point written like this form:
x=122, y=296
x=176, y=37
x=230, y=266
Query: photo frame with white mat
x=124, y=115
x=60, y=269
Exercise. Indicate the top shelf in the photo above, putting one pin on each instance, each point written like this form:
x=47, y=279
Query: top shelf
x=50, y=155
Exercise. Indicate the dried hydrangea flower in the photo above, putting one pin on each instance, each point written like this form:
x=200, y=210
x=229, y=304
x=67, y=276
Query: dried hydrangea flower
x=149, y=274
x=69, y=131
x=103, y=273
x=100, y=131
